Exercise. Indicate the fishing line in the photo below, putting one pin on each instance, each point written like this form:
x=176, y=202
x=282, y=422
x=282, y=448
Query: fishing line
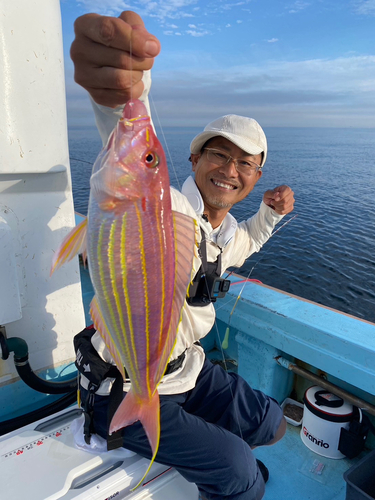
x=252, y=269
x=236, y=413
x=225, y=342
x=83, y=161
x=131, y=67
x=165, y=142
x=226, y=337
x=157, y=117
x=244, y=444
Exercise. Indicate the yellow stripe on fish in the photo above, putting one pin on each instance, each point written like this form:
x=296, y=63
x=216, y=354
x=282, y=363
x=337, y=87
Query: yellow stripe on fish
x=102, y=328
x=124, y=271
x=112, y=269
x=162, y=264
x=145, y=288
x=104, y=286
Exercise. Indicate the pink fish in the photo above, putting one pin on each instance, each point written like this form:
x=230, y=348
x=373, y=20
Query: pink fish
x=140, y=261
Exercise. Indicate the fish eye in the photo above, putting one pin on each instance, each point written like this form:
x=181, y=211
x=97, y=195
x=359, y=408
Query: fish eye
x=151, y=159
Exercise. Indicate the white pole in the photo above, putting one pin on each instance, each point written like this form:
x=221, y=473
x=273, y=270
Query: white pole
x=35, y=184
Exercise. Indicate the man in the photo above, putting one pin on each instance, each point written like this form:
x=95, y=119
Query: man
x=210, y=419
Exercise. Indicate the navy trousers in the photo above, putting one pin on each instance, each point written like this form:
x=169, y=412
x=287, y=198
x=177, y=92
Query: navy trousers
x=207, y=433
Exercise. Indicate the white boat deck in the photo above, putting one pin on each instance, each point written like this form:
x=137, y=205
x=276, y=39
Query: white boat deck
x=52, y=468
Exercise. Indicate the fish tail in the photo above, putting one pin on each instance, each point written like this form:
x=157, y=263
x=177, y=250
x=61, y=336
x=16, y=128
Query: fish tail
x=147, y=412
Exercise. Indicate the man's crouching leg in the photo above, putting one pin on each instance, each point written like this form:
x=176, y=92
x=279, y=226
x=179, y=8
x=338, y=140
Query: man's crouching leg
x=238, y=470
x=279, y=433
x=234, y=474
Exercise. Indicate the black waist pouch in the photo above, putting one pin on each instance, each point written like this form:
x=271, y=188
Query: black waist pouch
x=95, y=369
x=88, y=361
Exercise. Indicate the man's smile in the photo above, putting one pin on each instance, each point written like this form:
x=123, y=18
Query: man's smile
x=223, y=184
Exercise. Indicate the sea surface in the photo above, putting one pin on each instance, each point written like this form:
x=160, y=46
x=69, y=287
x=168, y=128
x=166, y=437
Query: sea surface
x=327, y=253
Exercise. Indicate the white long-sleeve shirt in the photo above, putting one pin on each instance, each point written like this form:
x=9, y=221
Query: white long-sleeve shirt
x=236, y=241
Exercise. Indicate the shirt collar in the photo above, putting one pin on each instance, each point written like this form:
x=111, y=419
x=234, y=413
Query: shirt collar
x=228, y=226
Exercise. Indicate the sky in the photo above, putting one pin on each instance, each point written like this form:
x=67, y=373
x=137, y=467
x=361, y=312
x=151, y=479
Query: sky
x=285, y=63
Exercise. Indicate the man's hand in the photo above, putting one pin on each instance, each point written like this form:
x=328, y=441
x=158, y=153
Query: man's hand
x=281, y=199
x=110, y=55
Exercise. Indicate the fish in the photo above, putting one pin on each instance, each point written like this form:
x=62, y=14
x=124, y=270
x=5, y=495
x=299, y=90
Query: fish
x=140, y=260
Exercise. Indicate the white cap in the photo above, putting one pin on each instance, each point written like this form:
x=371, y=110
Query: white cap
x=246, y=133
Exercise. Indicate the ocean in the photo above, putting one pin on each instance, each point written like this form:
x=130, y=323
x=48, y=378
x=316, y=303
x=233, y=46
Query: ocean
x=327, y=253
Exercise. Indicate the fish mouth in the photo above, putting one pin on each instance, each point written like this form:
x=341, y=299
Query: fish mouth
x=224, y=184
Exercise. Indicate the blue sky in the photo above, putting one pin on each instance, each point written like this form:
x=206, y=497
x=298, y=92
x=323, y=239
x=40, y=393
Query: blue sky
x=285, y=63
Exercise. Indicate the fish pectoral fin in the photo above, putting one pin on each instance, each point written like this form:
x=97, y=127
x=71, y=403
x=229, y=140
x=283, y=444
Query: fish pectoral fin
x=101, y=327
x=185, y=242
x=147, y=411
x=73, y=244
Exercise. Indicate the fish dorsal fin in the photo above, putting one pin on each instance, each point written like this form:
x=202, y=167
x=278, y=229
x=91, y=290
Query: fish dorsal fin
x=185, y=242
x=101, y=327
x=74, y=243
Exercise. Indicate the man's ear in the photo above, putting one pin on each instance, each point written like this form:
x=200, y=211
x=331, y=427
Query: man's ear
x=194, y=160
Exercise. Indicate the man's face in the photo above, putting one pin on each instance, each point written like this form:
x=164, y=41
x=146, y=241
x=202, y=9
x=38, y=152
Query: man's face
x=222, y=187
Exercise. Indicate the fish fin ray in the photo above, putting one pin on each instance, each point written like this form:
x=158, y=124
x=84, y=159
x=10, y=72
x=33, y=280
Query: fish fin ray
x=185, y=241
x=101, y=327
x=75, y=242
x=147, y=412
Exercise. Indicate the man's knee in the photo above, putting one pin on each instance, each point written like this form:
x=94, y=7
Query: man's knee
x=279, y=433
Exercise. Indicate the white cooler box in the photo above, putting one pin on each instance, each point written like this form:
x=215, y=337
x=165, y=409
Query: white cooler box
x=324, y=416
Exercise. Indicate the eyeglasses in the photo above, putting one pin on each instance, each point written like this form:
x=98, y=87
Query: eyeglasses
x=221, y=158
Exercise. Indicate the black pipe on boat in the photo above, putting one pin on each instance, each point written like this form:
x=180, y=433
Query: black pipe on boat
x=21, y=361
x=354, y=400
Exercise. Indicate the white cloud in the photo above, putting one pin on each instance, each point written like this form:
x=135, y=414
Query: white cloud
x=298, y=6
x=161, y=9
x=229, y=6
x=192, y=26
x=219, y=7
x=366, y=8
x=318, y=92
x=341, y=75
x=105, y=7
x=239, y=21
x=278, y=90
x=197, y=33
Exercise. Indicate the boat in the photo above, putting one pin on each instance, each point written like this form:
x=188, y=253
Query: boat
x=280, y=343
